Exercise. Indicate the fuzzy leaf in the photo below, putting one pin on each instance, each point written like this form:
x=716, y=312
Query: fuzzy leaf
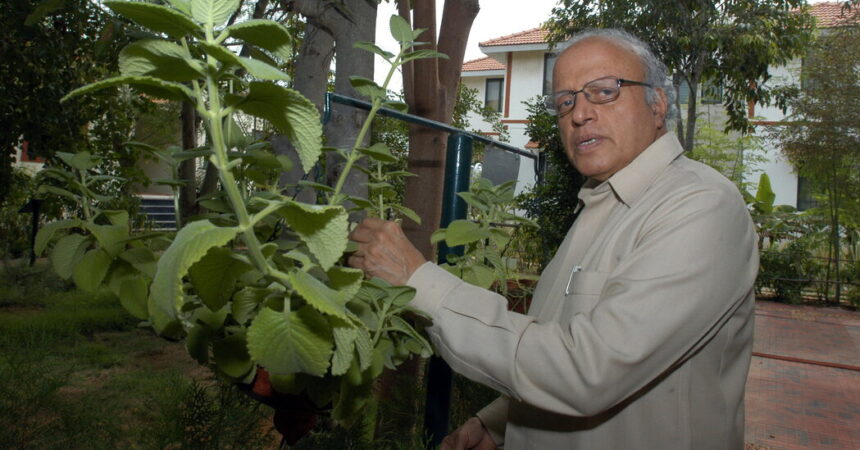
x=132, y=295
x=344, y=340
x=214, y=12
x=479, y=275
x=245, y=302
x=400, y=29
x=91, y=270
x=215, y=275
x=110, y=237
x=197, y=343
x=373, y=48
x=160, y=59
x=155, y=17
x=68, y=253
x=367, y=87
x=153, y=86
x=231, y=356
x=46, y=233
x=346, y=280
x=263, y=70
x=322, y=228
x=318, y=295
x=143, y=259
x=461, y=232
x=291, y=113
x=190, y=245
x=379, y=152
x=266, y=34
x=292, y=341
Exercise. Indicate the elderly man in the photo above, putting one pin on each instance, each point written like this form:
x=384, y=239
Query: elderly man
x=640, y=331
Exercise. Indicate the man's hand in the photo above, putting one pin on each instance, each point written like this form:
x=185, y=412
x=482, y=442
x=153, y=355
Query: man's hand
x=470, y=435
x=384, y=252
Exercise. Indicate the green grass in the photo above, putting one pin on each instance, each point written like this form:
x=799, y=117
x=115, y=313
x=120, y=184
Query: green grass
x=76, y=372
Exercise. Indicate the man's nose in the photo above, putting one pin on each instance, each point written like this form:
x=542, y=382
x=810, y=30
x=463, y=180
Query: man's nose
x=583, y=110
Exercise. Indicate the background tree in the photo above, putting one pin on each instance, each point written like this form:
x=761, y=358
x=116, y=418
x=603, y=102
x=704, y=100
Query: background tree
x=430, y=87
x=727, y=43
x=823, y=139
x=47, y=48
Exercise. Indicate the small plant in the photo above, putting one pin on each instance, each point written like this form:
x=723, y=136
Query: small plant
x=249, y=299
x=485, y=239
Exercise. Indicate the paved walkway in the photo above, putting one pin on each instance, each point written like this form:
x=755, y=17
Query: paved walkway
x=803, y=390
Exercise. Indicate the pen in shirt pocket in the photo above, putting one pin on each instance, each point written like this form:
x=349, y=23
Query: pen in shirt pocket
x=576, y=268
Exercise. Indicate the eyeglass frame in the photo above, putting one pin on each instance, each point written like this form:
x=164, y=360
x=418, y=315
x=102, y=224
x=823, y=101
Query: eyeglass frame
x=550, y=99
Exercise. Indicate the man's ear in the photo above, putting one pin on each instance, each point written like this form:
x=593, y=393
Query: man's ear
x=660, y=107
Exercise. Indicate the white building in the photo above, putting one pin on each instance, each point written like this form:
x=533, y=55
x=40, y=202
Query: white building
x=518, y=67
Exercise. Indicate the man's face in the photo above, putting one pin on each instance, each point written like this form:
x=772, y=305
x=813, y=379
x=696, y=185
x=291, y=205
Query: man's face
x=602, y=139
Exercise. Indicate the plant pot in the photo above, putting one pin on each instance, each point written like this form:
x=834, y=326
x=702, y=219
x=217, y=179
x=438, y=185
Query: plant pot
x=295, y=415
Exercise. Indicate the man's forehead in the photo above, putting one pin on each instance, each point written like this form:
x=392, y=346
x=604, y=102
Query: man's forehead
x=600, y=54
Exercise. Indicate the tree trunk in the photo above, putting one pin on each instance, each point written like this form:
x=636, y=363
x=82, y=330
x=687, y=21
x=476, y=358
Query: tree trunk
x=431, y=88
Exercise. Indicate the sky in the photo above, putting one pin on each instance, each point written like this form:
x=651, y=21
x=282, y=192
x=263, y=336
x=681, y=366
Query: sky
x=497, y=18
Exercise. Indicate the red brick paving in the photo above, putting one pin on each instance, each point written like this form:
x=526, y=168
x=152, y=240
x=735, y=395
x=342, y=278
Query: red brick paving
x=803, y=405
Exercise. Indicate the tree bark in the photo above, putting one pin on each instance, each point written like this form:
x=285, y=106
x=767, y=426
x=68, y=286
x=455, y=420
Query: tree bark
x=431, y=88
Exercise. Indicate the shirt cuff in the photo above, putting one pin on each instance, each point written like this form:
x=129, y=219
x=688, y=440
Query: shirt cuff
x=432, y=285
x=495, y=418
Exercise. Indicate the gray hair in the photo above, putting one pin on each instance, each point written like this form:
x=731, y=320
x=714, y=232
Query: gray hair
x=656, y=73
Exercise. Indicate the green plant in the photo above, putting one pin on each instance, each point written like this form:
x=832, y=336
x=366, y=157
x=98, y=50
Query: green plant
x=245, y=296
x=782, y=270
x=484, y=261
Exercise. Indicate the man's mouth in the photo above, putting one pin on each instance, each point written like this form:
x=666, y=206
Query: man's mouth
x=588, y=142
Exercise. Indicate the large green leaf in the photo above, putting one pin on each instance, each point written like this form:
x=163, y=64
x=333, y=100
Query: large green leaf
x=291, y=341
x=143, y=259
x=479, y=275
x=197, y=343
x=266, y=34
x=214, y=12
x=46, y=233
x=291, y=113
x=215, y=275
x=68, y=253
x=263, y=70
x=153, y=86
x=110, y=237
x=344, y=350
x=156, y=18
x=461, y=232
x=245, y=302
x=346, y=280
x=132, y=295
x=400, y=29
x=318, y=295
x=764, y=196
x=323, y=228
x=231, y=356
x=190, y=245
x=91, y=270
x=160, y=59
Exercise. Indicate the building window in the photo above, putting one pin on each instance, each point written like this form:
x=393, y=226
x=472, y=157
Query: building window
x=493, y=94
x=712, y=93
x=805, y=191
x=548, y=65
x=684, y=93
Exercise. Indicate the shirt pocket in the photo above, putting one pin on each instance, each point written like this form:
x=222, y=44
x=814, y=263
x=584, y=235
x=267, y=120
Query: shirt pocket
x=583, y=293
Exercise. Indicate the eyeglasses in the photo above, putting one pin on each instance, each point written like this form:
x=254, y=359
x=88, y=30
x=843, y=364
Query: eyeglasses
x=601, y=90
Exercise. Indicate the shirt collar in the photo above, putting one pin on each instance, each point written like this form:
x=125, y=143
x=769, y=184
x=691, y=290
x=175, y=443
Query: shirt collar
x=632, y=181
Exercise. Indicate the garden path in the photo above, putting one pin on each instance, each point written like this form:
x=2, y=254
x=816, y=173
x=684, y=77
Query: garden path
x=803, y=390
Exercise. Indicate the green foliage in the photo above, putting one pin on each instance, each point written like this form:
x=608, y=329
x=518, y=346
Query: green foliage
x=260, y=283
x=822, y=140
x=782, y=270
x=15, y=226
x=485, y=242
x=731, y=154
x=49, y=48
x=552, y=202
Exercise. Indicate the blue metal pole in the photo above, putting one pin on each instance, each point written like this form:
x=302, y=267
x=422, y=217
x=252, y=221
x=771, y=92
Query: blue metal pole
x=458, y=166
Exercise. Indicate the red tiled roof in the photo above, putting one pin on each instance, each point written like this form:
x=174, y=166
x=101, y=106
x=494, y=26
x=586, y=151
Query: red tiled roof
x=482, y=64
x=533, y=36
x=830, y=14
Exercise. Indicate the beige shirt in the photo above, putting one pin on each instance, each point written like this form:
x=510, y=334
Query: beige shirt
x=640, y=332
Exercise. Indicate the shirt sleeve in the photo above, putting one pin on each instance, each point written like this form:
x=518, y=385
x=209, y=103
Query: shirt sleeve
x=694, y=263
